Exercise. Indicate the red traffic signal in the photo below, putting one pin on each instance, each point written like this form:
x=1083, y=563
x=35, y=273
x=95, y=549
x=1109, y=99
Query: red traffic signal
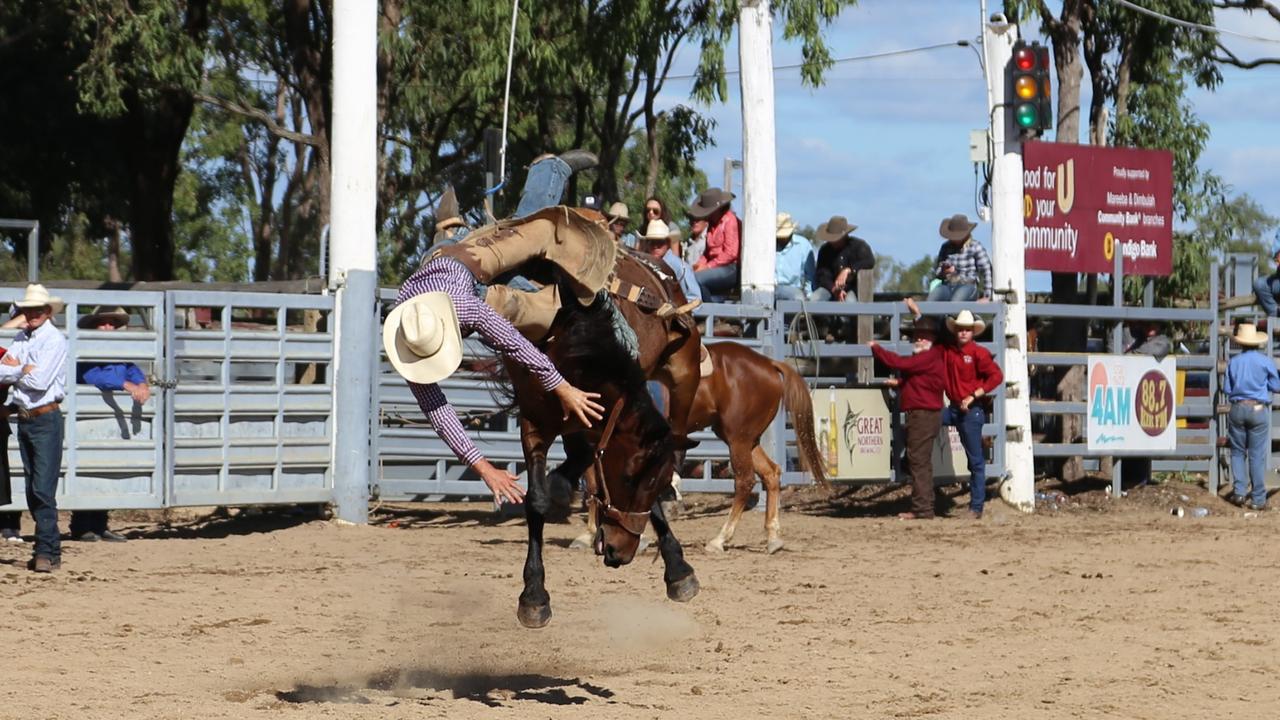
x=1029, y=87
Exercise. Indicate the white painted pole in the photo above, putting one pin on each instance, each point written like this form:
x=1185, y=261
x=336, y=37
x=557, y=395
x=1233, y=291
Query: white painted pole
x=1010, y=269
x=759, y=160
x=353, y=248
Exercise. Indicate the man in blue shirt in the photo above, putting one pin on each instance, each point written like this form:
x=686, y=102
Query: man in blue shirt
x=1251, y=379
x=91, y=525
x=793, y=274
x=656, y=241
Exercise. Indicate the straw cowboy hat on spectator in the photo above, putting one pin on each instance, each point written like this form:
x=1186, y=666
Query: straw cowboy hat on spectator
x=956, y=227
x=618, y=213
x=966, y=319
x=786, y=226
x=709, y=201
x=117, y=316
x=38, y=296
x=1247, y=335
x=835, y=228
x=422, y=338
x=657, y=231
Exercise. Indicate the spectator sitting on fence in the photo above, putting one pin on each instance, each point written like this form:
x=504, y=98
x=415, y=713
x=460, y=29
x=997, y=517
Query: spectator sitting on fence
x=920, y=397
x=619, y=218
x=1251, y=380
x=717, y=269
x=656, y=241
x=972, y=375
x=841, y=256
x=962, y=270
x=36, y=366
x=795, y=263
x=1267, y=288
x=692, y=247
x=91, y=525
x=655, y=209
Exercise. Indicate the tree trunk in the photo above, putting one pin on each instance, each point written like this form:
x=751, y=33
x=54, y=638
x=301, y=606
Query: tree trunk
x=113, y=252
x=153, y=134
x=651, y=121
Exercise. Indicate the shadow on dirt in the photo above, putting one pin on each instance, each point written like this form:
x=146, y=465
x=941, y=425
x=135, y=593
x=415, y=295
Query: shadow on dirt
x=490, y=689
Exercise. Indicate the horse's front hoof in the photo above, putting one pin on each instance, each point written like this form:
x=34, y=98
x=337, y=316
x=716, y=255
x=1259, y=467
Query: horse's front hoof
x=683, y=590
x=774, y=546
x=534, y=616
x=582, y=542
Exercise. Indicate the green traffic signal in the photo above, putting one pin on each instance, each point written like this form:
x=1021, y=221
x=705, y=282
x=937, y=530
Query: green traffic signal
x=1026, y=116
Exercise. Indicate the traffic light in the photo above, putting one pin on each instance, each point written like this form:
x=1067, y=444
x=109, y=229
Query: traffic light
x=1029, y=88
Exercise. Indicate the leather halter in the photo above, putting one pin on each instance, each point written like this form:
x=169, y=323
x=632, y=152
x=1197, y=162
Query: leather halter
x=632, y=522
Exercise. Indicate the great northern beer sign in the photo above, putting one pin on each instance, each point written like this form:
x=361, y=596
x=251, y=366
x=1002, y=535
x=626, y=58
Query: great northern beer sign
x=1083, y=204
x=1131, y=404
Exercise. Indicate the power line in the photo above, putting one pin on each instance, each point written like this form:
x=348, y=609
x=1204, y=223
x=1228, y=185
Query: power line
x=1192, y=25
x=852, y=58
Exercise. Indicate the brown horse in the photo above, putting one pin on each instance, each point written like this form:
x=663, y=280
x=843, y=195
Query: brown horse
x=738, y=402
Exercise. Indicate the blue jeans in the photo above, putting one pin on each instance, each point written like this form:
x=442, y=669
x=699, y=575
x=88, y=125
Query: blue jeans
x=658, y=392
x=544, y=185
x=955, y=293
x=788, y=292
x=969, y=425
x=717, y=280
x=1249, y=430
x=40, y=444
x=1266, y=289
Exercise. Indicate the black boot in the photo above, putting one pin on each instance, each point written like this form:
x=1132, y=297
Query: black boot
x=579, y=159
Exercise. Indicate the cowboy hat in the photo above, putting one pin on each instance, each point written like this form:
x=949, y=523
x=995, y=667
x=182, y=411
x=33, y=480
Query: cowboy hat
x=966, y=319
x=657, y=231
x=1247, y=335
x=447, y=214
x=956, y=227
x=38, y=296
x=117, y=316
x=922, y=324
x=786, y=226
x=709, y=201
x=835, y=228
x=618, y=211
x=422, y=338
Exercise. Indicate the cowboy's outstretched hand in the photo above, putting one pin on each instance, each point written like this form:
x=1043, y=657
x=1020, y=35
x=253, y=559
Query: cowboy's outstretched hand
x=500, y=482
x=580, y=404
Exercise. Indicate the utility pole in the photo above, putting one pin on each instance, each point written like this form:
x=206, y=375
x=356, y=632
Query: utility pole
x=1009, y=271
x=353, y=250
x=759, y=161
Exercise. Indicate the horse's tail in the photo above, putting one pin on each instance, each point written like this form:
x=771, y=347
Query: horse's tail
x=796, y=399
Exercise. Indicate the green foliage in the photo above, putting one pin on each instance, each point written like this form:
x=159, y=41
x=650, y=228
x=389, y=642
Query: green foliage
x=901, y=278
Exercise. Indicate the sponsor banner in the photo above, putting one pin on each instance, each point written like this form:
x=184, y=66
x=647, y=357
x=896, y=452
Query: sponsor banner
x=855, y=433
x=1083, y=204
x=949, y=460
x=1130, y=405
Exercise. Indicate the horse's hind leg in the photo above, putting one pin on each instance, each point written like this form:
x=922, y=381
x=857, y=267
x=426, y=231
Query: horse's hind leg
x=771, y=477
x=682, y=583
x=744, y=478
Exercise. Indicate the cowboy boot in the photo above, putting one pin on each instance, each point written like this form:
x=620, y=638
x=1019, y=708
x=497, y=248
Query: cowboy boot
x=530, y=312
x=579, y=159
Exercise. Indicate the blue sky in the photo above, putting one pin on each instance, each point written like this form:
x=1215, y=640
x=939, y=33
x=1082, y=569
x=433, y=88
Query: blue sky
x=885, y=141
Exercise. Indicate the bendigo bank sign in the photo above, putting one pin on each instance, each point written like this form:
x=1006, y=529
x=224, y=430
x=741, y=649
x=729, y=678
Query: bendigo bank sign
x=1084, y=204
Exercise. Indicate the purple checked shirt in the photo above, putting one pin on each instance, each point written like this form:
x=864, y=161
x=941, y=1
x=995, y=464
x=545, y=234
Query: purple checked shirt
x=450, y=276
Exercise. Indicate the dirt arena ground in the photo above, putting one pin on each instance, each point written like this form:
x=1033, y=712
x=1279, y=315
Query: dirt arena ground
x=1094, y=609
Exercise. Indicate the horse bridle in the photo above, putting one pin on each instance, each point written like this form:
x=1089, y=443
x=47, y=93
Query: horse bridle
x=632, y=522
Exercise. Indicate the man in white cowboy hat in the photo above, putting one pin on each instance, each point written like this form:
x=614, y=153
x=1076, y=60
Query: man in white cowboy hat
x=1250, y=382
x=840, y=258
x=36, y=366
x=656, y=241
x=109, y=377
x=962, y=266
x=717, y=269
x=422, y=336
x=972, y=375
x=794, y=265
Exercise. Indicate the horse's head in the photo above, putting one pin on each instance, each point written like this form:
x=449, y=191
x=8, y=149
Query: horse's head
x=635, y=460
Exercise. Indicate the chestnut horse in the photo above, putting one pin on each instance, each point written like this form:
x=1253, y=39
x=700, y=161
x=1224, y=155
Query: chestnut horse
x=738, y=401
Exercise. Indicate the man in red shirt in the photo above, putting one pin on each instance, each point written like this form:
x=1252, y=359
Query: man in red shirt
x=920, y=397
x=972, y=375
x=717, y=270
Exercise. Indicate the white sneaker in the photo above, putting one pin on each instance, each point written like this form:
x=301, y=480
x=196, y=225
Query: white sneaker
x=12, y=536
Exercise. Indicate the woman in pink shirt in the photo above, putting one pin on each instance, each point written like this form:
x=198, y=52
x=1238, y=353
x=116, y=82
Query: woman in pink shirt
x=717, y=270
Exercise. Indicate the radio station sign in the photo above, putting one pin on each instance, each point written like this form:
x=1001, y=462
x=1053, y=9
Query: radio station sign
x=1084, y=204
x=1131, y=404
